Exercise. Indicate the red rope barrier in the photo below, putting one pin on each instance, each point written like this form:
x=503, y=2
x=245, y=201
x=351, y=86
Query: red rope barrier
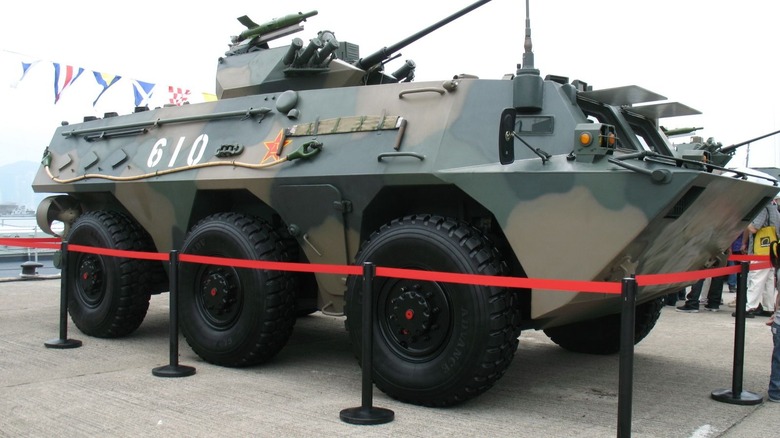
x=607, y=287
x=276, y=266
x=118, y=253
x=29, y=242
x=500, y=281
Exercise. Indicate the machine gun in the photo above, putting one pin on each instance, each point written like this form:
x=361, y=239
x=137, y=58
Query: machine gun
x=710, y=150
x=730, y=149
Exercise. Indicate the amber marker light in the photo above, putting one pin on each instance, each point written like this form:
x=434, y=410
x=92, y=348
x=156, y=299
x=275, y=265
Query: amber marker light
x=611, y=139
x=585, y=138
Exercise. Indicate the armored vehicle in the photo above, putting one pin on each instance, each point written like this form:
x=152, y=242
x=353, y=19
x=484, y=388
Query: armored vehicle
x=316, y=154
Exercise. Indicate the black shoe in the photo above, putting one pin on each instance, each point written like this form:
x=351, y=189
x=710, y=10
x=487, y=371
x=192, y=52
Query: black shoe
x=765, y=313
x=748, y=314
x=688, y=309
x=711, y=309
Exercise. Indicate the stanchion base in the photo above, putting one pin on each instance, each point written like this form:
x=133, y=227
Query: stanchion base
x=367, y=416
x=174, y=371
x=62, y=343
x=745, y=398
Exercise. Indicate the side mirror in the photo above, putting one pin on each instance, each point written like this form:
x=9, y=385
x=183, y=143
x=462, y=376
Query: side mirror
x=506, y=137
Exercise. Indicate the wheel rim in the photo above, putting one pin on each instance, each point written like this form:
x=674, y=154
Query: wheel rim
x=219, y=296
x=91, y=280
x=415, y=318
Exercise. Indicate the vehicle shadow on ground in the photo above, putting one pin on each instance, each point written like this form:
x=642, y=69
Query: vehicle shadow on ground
x=539, y=365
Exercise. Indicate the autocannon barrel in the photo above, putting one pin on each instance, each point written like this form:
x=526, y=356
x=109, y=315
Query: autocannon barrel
x=386, y=52
x=734, y=146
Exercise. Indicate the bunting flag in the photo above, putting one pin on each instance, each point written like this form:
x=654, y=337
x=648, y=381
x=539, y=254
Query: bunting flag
x=63, y=77
x=177, y=95
x=26, y=66
x=105, y=81
x=143, y=92
x=66, y=75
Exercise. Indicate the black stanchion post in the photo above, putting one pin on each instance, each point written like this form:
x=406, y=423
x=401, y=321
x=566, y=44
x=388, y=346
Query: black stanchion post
x=173, y=369
x=626, y=372
x=736, y=395
x=367, y=413
x=63, y=341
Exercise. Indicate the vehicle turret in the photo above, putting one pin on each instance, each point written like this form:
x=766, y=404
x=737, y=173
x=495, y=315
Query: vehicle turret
x=250, y=66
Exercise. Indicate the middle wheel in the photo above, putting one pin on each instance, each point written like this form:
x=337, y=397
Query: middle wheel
x=235, y=316
x=435, y=343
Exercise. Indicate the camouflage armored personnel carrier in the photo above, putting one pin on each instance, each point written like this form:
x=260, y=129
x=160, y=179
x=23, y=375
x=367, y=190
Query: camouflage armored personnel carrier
x=317, y=155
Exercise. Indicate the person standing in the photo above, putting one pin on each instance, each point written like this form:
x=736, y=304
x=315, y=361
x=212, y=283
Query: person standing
x=773, y=393
x=761, y=283
x=713, y=296
x=736, y=249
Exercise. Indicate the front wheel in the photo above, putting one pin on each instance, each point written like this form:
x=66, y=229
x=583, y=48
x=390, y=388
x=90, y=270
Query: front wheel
x=108, y=296
x=435, y=343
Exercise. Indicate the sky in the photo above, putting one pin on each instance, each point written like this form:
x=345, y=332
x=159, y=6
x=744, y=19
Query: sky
x=715, y=56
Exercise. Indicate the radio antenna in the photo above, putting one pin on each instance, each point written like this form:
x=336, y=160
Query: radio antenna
x=528, y=55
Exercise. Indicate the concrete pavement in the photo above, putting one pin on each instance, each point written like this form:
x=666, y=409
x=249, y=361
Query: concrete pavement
x=106, y=387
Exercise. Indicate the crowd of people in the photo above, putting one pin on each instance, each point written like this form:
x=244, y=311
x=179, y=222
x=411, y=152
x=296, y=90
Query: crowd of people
x=762, y=285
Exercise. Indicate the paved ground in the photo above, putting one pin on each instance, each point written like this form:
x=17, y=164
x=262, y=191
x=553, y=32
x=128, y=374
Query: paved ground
x=106, y=388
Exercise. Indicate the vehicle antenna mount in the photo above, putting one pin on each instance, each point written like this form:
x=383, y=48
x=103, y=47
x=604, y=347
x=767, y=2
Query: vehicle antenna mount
x=528, y=84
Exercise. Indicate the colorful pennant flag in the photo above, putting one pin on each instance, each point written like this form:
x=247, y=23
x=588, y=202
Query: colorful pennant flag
x=143, y=92
x=66, y=75
x=63, y=77
x=178, y=95
x=105, y=81
x=26, y=66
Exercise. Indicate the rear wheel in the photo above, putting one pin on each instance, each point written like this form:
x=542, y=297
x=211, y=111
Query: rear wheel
x=602, y=335
x=235, y=316
x=435, y=343
x=108, y=296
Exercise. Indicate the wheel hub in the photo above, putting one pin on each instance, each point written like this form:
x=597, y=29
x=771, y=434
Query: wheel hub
x=415, y=318
x=410, y=314
x=219, y=295
x=90, y=279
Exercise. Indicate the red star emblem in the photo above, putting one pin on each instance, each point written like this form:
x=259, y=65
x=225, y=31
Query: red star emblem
x=275, y=146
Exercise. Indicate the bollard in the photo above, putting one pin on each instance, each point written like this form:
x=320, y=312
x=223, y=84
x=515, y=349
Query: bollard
x=367, y=414
x=626, y=367
x=736, y=395
x=173, y=369
x=63, y=341
x=30, y=269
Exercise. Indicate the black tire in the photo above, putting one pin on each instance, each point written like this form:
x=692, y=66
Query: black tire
x=602, y=335
x=235, y=316
x=108, y=296
x=435, y=344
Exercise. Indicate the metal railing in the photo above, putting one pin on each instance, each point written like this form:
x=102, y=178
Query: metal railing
x=24, y=226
